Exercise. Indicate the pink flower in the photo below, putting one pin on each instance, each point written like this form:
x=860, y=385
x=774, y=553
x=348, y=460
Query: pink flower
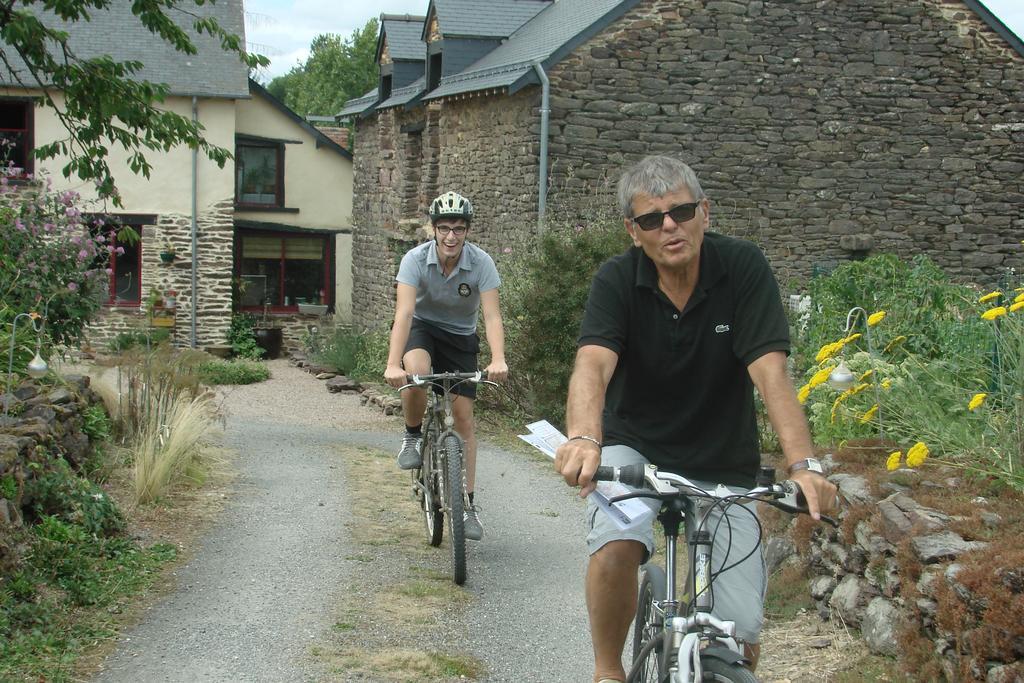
x=110, y=271
x=119, y=251
x=83, y=254
x=73, y=286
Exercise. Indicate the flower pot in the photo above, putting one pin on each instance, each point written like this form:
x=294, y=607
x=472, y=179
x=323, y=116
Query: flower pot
x=269, y=339
x=167, y=256
x=313, y=309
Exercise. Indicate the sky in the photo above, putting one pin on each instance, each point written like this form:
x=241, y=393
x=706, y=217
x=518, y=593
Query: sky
x=282, y=30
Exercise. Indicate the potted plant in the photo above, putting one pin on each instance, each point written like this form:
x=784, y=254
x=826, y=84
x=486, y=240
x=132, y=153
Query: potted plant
x=169, y=252
x=269, y=336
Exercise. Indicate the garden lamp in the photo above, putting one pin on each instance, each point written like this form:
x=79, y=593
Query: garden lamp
x=37, y=367
x=841, y=378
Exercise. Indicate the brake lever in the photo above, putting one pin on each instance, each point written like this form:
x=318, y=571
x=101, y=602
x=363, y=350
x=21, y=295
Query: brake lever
x=794, y=501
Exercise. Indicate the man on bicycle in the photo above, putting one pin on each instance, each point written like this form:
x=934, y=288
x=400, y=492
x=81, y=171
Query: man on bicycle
x=676, y=334
x=441, y=286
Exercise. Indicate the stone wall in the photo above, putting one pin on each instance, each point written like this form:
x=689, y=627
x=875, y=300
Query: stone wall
x=213, y=315
x=822, y=131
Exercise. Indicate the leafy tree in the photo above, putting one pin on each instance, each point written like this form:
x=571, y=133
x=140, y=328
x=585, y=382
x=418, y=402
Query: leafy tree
x=336, y=71
x=103, y=100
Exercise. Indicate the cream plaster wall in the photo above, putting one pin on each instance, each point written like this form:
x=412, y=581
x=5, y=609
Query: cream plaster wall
x=169, y=187
x=317, y=181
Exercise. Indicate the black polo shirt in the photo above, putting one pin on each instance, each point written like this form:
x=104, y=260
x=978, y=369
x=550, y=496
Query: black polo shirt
x=681, y=394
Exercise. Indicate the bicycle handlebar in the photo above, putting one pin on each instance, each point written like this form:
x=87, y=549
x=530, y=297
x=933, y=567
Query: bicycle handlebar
x=477, y=377
x=786, y=496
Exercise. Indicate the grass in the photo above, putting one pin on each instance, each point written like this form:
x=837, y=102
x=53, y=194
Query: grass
x=165, y=451
x=236, y=371
x=392, y=627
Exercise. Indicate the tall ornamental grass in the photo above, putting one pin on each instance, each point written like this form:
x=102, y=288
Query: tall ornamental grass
x=164, y=415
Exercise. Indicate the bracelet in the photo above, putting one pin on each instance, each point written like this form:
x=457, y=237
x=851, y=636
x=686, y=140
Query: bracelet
x=583, y=437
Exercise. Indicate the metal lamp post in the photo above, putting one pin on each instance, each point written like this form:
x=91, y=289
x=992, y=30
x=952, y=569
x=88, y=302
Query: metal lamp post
x=842, y=378
x=37, y=367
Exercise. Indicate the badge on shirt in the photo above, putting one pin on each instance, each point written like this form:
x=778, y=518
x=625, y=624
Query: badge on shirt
x=464, y=289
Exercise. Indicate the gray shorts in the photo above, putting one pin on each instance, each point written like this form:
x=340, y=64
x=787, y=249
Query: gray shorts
x=739, y=592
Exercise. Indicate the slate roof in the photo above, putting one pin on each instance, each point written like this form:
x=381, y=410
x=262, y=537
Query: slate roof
x=359, y=105
x=483, y=18
x=404, y=95
x=546, y=38
x=403, y=34
x=118, y=33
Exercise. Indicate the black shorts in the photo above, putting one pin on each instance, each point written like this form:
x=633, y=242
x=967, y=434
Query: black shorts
x=449, y=352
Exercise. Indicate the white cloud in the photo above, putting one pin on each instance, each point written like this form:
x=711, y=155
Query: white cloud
x=283, y=29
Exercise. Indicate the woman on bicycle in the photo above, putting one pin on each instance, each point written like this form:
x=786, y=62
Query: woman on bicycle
x=676, y=334
x=442, y=284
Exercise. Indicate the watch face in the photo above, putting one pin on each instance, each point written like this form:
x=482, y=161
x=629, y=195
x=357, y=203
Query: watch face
x=814, y=466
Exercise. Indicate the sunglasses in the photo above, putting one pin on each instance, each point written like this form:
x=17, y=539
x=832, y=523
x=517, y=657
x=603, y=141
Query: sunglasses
x=444, y=230
x=678, y=214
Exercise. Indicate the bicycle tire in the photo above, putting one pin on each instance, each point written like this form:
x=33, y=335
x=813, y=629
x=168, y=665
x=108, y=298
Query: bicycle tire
x=456, y=507
x=433, y=514
x=647, y=625
x=718, y=670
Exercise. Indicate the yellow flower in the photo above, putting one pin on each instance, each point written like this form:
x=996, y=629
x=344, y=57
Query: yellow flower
x=820, y=377
x=835, y=405
x=851, y=338
x=976, y=401
x=866, y=375
x=875, y=318
x=886, y=383
x=857, y=389
x=1016, y=307
x=893, y=461
x=895, y=342
x=1019, y=298
x=828, y=350
x=988, y=297
x=917, y=454
x=993, y=313
x=804, y=392
x=870, y=415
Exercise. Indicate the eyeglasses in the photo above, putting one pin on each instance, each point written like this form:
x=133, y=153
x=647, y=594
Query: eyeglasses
x=655, y=219
x=458, y=230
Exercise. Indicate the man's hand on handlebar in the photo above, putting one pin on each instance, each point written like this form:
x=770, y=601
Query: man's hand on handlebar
x=395, y=375
x=821, y=494
x=497, y=372
x=576, y=461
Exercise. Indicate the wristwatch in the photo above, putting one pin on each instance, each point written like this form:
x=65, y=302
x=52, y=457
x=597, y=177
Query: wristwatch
x=810, y=464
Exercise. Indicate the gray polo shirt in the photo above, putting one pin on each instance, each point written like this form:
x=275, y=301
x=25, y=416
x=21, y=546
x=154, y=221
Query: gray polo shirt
x=451, y=303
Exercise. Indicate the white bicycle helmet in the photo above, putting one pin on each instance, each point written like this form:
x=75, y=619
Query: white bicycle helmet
x=451, y=205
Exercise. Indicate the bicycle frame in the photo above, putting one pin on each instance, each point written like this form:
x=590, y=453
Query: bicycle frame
x=695, y=634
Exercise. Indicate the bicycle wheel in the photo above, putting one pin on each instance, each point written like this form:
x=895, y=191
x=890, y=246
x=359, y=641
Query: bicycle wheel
x=456, y=506
x=647, y=627
x=433, y=515
x=717, y=670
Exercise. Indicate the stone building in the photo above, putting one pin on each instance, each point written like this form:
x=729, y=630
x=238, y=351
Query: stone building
x=271, y=227
x=822, y=131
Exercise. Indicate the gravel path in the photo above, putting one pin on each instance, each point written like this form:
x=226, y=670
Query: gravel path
x=259, y=589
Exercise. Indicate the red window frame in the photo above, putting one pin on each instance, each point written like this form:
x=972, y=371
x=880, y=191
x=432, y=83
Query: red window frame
x=27, y=107
x=278, y=171
x=326, y=251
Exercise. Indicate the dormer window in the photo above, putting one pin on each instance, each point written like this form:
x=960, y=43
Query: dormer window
x=434, y=72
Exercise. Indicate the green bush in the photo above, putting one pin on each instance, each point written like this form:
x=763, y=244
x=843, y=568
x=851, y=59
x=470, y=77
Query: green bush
x=237, y=371
x=60, y=493
x=935, y=315
x=545, y=284
x=371, y=356
x=242, y=337
x=340, y=351
x=138, y=338
x=96, y=423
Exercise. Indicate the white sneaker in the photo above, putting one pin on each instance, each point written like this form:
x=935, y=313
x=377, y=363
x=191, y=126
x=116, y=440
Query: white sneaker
x=471, y=524
x=409, y=457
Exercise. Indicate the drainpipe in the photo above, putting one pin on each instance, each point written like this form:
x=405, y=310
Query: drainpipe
x=545, y=109
x=195, y=231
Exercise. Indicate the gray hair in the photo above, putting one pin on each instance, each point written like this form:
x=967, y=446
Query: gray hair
x=656, y=176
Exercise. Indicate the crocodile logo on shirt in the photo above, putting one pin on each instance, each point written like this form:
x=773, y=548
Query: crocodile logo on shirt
x=464, y=289
x=721, y=328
